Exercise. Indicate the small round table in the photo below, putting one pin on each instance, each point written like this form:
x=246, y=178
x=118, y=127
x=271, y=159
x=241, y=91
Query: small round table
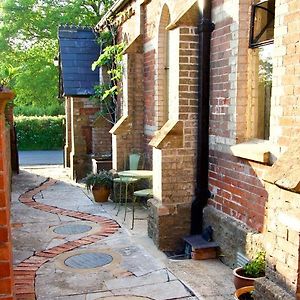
x=130, y=176
x=136, y=173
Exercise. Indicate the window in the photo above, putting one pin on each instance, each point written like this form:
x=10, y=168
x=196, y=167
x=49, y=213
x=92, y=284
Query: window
x=261, y=43
x=262, y=23
x=163, y=68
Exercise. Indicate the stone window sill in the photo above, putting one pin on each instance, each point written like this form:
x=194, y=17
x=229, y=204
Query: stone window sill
x=255, y=150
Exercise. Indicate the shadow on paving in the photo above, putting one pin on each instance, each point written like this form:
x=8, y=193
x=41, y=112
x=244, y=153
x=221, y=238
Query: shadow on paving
x=115, y=266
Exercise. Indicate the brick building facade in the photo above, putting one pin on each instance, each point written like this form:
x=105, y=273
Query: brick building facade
x=159, y=107
x=6, y=267
x=254, y=117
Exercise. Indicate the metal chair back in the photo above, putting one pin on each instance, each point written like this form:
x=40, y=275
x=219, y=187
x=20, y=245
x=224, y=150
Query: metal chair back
x=134, y=160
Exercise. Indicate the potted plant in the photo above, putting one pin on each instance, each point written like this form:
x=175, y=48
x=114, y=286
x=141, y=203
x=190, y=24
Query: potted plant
x=245, y=276
x=244, y=293
x=100, y=184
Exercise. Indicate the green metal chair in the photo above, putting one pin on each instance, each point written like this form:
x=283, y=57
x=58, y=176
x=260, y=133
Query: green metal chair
x=146, y=193
x=134, y=160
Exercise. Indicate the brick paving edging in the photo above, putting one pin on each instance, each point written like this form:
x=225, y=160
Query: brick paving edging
x=25, y=272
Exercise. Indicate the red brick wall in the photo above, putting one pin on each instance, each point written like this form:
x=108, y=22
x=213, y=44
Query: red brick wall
x=236, y=183
x=101, y=138
x=149, y=64
x=6, y=271
x=237, y=189
x=149, y=109
x=220, y=70
x=87, y=130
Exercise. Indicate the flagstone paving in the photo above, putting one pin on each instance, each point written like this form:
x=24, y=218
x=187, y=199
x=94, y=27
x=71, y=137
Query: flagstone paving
x=55, y=221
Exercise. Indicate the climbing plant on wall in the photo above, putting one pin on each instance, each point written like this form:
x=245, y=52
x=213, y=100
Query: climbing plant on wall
x=110, y=61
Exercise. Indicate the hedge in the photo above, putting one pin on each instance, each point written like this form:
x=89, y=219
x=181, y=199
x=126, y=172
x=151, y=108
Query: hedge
x=40, y=133
x=50, y=110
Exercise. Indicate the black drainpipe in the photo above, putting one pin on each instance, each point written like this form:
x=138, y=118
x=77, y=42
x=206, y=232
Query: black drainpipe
x=202, y=193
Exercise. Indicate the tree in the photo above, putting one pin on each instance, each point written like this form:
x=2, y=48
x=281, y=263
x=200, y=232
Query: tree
x=28, y=43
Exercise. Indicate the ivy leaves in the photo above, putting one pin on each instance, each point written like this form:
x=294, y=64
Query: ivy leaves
x=106, y=93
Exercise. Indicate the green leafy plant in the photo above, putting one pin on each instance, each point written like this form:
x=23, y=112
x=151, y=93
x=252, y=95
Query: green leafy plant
x=28, y=43
x=40, y=133
x=54, y=109
x=110, y=61
x=256, y=267
x=101, y=179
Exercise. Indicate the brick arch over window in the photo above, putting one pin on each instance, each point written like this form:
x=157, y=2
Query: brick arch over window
x=162, y=105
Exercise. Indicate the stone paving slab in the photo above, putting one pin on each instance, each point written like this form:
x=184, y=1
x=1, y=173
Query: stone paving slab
x=138, y=273
x=210, y=280
x=159, y=291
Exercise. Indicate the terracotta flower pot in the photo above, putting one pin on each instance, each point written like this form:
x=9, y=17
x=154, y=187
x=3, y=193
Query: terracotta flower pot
x=240, y=280
x=100, y=193
x=243, y=290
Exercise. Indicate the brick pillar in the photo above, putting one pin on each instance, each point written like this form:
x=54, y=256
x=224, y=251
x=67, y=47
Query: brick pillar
x=82, y=117
x=6, y=269
x=174, y=146
x=68, y=145
x=101, y=137
x=128, y=132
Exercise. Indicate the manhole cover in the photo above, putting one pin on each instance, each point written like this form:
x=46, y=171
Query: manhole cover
x=88, y=260
x=72, y=229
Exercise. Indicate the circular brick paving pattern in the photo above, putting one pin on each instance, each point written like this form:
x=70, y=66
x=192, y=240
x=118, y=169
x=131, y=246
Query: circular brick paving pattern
x=25, y=272
x=72, y=229
x=88, y=260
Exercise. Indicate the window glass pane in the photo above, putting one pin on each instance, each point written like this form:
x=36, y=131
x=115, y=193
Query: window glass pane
x=264, y=89
x=263, y=22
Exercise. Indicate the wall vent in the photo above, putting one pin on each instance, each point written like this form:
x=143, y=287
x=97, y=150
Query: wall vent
x=241, y=259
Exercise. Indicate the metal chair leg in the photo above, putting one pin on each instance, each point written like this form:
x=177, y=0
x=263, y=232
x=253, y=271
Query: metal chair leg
x=120, y=198
x=126, y=196
x=133, y=207
x=114, y=190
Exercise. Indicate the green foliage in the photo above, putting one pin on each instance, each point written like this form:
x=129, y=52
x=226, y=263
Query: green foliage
x=102, y=178
x=266, y=64
x=7, y=74
x=28, y=43
x=256, y=267
x=40, y=133
x=106, y=93
x=51, y=110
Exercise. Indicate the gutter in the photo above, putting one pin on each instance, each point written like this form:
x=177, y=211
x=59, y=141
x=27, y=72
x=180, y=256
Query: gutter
x=112, y=11
x=202, y=192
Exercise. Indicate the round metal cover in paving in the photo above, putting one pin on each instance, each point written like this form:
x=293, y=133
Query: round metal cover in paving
x=72, y=229
x=88, y=260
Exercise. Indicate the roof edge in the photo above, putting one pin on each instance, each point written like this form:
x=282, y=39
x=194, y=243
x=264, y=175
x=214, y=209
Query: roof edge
x=117, y=6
